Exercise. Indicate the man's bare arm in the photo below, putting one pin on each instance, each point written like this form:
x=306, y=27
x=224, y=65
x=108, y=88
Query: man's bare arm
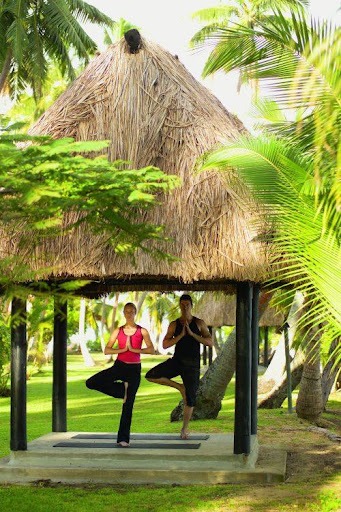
x=169, y=340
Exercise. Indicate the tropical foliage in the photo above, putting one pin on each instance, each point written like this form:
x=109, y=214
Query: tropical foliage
x=28, y=109
x=239, y=13
x=44, y=179
x=293, y=169
x=115, y=33
x=33, y=34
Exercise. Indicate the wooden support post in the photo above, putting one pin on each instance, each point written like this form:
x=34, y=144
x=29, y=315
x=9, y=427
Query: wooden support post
x=18, y=376
x=210, y=349
x=59, y=366
x=254, y=358
x=204, y=355
x=210, y=355
x=242, y=421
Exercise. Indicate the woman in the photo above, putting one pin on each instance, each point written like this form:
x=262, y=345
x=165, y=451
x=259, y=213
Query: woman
x=122, y=380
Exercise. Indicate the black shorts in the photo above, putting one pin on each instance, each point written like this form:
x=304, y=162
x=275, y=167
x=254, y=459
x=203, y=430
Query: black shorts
x=172, y=368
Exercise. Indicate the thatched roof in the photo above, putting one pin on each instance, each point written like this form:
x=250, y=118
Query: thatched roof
x=218, y=310
x=155, y=113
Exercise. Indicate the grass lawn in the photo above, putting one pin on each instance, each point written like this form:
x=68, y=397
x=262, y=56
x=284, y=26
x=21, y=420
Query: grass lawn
x=313, y=474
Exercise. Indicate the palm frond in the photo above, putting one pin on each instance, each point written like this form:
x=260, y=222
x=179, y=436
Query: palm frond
x=216, y=14
x=85, y=12
x=305, y=252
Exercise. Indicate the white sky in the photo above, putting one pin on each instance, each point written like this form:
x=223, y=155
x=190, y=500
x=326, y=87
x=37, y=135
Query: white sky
x=170, y=24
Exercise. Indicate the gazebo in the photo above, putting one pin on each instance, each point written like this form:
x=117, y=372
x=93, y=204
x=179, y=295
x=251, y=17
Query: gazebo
x=153, y=112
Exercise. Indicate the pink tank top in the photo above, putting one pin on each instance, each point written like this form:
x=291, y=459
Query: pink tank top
x=135, y=341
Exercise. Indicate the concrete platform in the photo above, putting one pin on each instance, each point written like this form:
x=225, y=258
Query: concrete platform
x=154, y=460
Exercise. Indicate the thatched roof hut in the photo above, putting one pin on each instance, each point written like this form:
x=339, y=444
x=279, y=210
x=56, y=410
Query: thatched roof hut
x=155, y=113
x=218, y=310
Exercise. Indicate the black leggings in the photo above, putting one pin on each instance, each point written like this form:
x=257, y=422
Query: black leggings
x=172, y=368
x=106, y=382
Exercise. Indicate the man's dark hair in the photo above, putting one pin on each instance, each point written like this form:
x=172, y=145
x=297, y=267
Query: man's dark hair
x=186, y=297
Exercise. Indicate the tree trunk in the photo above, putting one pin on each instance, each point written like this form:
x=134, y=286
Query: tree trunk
x=114, y=311
x=213, y=384
x=309, y=404
x=140, y=301
x=273, y=375
x=215, y=341
x=5, y=71
x=275, y=398
x=329, y=374
x=102, y=326
x=88, y=361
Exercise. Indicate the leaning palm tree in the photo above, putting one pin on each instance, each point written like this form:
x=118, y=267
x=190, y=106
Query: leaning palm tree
x=32, y=34
x=293, y=172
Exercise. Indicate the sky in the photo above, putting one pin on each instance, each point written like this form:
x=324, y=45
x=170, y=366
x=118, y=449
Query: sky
x=171, y=25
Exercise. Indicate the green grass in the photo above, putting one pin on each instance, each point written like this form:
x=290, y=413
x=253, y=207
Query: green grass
x=91, y=411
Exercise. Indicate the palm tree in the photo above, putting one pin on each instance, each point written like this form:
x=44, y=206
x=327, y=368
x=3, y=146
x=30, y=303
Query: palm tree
x=34, y=33
x=294, y=172
x=88, y=360
x=28, y=109
x=309, y=404
x=238, y=13
x=118, y=30
x=159, y=307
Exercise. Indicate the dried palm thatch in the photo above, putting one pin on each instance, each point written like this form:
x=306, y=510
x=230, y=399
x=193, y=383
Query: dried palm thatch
x=155, y=113
x=220, y=309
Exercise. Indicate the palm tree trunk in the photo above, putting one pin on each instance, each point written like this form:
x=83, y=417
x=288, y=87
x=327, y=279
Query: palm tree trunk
x=140, y=301
x=274, y=373
x=102, y=325
x=275, y=398
x=114, y=311
x=88, y=361
x=309, y=404
x=5, y=71
x=329, y=374
x=216, y=345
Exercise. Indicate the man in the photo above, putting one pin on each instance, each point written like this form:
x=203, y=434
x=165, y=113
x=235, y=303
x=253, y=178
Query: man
x=186, y=334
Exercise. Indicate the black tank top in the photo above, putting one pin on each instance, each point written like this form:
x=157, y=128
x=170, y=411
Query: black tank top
x=187, y=350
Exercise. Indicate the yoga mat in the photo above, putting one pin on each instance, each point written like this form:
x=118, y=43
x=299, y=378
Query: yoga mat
x=146, y=437
x=158, y=446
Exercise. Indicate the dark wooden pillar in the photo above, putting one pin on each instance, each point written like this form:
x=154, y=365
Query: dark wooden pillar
x=210, y=355
x=18, y=376
x=242, y=421
x=210, y=349
x=204, y=355
x=59, y=366
x=254, y=358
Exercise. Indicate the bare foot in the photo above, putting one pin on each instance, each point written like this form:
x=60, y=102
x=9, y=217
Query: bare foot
x=125, y=392
x=124, y=444
x=183, y=393
x=184, y=434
